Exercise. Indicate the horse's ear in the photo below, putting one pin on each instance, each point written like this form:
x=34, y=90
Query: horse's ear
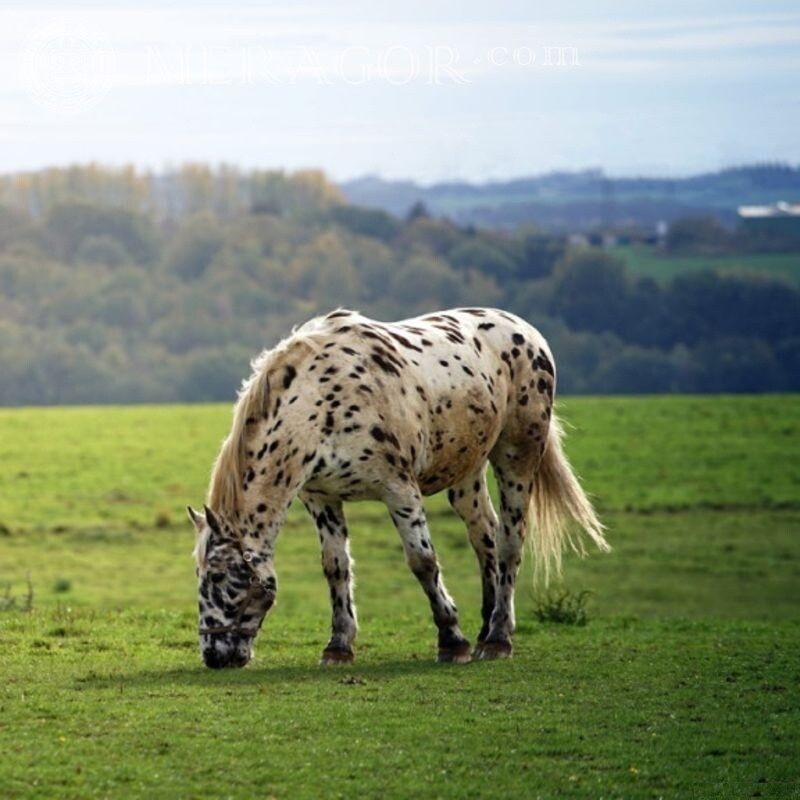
x=212, y=521
x=198, y=520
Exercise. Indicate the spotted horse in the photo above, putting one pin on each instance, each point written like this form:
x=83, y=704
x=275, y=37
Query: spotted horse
x=347, y=408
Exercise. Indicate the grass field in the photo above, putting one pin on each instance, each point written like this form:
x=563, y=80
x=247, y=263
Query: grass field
x=644, y=260
x=684, y=683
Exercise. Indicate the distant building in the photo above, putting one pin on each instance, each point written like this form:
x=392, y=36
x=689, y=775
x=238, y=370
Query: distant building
x=578, y=240
x=780, y=219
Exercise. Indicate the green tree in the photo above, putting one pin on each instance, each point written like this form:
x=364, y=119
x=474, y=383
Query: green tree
x=417, y=211
x=102, y=250
x=483, y=256
x=70, y=223
x=590, y=291
x=366, y=221
x=213, y=374
x=194, y=247
x=540, y=254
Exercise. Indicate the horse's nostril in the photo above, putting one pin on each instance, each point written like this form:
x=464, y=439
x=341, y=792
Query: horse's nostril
x=239, y=660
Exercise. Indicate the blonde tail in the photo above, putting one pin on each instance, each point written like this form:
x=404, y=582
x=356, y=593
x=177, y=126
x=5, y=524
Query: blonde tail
x=559, y=501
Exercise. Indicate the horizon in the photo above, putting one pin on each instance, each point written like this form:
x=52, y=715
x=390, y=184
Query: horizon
x=402, y=93
x=168, y=169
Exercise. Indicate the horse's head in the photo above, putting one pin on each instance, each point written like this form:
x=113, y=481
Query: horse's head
x=236, y=589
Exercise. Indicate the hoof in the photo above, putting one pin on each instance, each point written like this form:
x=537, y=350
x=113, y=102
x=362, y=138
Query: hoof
x=333, y=657
x=487, y=651
x=459, y=654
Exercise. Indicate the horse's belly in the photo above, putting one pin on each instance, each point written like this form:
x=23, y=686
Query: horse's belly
x=460, y=441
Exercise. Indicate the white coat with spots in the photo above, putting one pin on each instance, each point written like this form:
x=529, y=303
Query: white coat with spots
x=348, y=408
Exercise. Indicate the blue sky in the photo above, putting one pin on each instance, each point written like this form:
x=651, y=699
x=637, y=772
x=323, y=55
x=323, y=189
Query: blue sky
x=423, y=90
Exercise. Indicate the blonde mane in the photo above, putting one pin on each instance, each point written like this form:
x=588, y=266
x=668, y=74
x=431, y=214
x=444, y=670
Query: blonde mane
x=225, y=487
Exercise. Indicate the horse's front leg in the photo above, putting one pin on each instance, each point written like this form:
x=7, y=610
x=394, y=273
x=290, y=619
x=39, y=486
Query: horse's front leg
x=409, y=518
x=337, y=565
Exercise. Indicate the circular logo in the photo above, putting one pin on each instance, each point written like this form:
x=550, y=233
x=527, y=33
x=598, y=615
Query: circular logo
x=67, y=71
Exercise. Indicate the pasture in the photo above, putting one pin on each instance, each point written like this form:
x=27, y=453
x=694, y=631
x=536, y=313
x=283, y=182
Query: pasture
x=684, y=683
x=648, y=262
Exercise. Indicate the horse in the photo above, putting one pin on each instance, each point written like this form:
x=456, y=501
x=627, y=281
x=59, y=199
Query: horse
x=348, y=408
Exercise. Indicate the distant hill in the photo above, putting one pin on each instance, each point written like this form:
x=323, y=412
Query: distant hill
x=582, y=201
x=121, y=286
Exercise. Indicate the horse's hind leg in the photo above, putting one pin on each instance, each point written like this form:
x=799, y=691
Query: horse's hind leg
x=514, y=469
x=409, y=518
x=471, y=501
x=338, y=568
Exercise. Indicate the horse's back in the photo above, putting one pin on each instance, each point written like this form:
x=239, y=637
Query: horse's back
x=435, y=392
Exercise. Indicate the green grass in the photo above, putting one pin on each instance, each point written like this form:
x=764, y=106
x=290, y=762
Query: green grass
x=645, y=260
x=684, y=683
x=124, y=468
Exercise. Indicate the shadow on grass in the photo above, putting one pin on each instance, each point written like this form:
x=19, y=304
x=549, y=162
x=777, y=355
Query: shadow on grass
x=265, y=675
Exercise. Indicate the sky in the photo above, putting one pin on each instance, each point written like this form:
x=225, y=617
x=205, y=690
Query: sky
x=429, y=91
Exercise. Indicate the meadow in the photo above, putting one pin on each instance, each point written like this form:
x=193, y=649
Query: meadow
x=685, y=681
x=647, y=261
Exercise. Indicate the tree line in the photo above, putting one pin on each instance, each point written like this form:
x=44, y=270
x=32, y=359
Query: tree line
x=118, y=288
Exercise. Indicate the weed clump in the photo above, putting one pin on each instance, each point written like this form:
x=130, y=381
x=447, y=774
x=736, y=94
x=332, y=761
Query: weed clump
x=562, y=607
x=162, y=520
x=11, y=602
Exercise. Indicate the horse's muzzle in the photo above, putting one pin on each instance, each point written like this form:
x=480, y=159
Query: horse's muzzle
x=216, y=660
x=221, y=654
